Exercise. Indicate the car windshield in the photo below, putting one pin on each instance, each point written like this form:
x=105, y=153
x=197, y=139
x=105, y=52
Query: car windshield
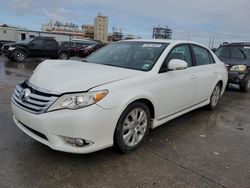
x=132, y=55
x=24, y=41
x=234, y=51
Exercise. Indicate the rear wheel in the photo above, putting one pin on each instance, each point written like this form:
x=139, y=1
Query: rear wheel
x=63, y=56
x=132, y=127
x=20, y=56
x=246, y=86
x=215, y=97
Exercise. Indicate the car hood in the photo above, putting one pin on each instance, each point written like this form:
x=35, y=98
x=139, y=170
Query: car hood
x=73, y=76
x=235, y=61
x=11, y=44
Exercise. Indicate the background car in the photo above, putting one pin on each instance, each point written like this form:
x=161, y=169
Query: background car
x=75, y=47
x=38, y=47
x=85, y=51
x=237, y=58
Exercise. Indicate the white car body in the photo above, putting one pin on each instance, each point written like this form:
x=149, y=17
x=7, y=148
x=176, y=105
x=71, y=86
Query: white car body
x=171, y=94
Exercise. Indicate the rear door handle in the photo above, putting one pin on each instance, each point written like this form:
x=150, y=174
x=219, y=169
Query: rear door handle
x=193, y=77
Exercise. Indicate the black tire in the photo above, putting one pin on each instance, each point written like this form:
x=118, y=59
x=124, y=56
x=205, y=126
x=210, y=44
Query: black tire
x=119, y=142
x=20, y=56
x=11, y=58
x=63, y=55
x=215, y=97
x=246, y=86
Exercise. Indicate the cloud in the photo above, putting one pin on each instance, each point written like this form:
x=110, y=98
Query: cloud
x=196, y=19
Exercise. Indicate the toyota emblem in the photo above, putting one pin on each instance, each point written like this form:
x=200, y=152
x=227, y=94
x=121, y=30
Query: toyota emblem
x=25, y=94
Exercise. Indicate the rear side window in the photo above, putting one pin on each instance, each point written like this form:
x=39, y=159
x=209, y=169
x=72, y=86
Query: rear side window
x=201, y=55
x=50, y=44
x=67, y=44
x=181, y=52
x=211, y=58
x=79, y=44
x=240, y=52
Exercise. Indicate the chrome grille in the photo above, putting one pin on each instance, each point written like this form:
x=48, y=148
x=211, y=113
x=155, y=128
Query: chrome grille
x=36, y=102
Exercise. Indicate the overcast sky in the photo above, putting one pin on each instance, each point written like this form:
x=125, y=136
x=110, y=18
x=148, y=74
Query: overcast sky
x=197, y=20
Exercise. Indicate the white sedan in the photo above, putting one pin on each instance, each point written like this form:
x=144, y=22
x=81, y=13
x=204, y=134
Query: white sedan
x=117, y=94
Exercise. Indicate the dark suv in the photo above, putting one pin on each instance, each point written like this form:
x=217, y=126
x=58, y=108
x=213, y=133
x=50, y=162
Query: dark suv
x=236, y=56
x=42, y=47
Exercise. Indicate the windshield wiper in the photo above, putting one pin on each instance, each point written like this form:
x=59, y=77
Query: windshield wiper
x=244, y=54
x=109, y=64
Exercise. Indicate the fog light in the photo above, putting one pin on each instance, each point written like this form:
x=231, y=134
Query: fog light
x=79, y=142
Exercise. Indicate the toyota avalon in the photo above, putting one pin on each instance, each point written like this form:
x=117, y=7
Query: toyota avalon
x=117, y=94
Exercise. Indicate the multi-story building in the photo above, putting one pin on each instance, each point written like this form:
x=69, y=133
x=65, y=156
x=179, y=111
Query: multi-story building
x=162, y=33
x=101, y=28
x=60, y=27
x=117, y=34
x=88, y=31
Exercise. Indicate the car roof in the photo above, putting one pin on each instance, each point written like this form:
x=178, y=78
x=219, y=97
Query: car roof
x=237, y=44
x=167, y=41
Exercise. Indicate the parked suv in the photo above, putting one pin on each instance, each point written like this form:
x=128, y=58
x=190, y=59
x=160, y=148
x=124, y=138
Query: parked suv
x=236, y=56
x=42, y=47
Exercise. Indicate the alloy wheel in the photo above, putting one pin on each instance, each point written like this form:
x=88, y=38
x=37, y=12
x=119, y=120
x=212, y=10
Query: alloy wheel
x=215, y=96
x=63, y=56
x=134, y=127
x=20, y=56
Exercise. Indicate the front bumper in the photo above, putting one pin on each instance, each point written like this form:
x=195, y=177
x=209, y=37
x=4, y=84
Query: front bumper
x=236, y=77
x=92, y=123
x=8, y=53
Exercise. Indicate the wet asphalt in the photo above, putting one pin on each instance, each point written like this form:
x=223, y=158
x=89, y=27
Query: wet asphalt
x=200, y=149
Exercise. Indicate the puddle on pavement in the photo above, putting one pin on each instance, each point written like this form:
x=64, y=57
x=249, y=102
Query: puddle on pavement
x=17, y=69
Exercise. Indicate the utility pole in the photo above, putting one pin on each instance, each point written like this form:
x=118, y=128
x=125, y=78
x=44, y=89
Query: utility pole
x=212, y=43
x=209, y=45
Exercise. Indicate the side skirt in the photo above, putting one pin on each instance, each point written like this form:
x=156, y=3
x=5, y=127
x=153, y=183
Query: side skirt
x=161, y=120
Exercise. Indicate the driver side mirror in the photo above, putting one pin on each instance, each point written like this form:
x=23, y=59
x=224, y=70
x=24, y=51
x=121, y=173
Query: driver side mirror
x=177, y=64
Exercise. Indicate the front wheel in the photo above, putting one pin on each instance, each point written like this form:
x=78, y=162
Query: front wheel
x=20, y=56
x=246, y=86
x=63, y=56
x=132, y=127
x=215, y=97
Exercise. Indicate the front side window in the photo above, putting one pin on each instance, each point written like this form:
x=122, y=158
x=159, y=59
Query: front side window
x=132, y=55
x=201, y=55
x=37, y=43
x=181, y=52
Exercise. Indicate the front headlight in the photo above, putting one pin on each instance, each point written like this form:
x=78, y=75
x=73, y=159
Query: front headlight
x=238, y=68
x=78, y=100
x=11, y=48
